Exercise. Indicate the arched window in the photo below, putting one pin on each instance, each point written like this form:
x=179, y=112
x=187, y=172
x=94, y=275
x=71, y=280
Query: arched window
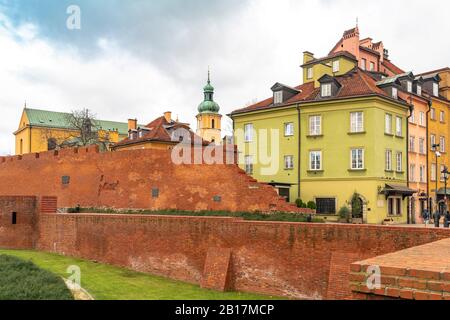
x=213, y=123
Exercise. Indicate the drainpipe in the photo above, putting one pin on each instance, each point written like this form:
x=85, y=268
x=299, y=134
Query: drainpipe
x=429, y=204
x=299, y=151
x=29, y=140
x=411, y=109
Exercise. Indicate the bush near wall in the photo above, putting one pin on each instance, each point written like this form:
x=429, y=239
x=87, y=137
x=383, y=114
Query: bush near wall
x=23, y=280
x=252, y=216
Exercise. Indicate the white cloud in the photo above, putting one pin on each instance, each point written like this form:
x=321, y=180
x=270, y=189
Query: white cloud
x=248, y=51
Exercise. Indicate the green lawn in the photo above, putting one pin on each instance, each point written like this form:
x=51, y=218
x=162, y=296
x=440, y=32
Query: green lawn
x=105, y=282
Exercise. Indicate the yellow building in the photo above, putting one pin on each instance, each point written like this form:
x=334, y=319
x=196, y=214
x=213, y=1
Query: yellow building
x=41, y=130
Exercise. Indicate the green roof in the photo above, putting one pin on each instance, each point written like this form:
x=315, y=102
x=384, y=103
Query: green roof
x=53, y=119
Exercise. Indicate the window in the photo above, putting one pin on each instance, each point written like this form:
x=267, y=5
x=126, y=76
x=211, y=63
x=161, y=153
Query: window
x=372, y=66
x=315, y=160
x=363, y=63
x=249, y=164
x=288, y=129
x=422, y=118
x=398, y=126
x=412, y=118
x=442, y=116
x=388, y=161
x=412, y=171
x=388, y=124
x=14, y=218
x=433, y=114
x=399, y=162
x=422, y=174
x=409, y=86
x=394, y=206
x=442, y=144
x=326, y=205
x=412, y=144
x=419, y=90
x=315, y=125
x=52, y=144
x=213, y=123
x=421, y=145
x=248, y=132
x=432, y=142
x=289, y=162
x=278, y=97
x=356, y=122
x=326, y=89
x=394, y=93
x=433, y=172
x=442, y=175
x=336, y=66
x=309, y=72
x=436, y=89
x=357, y=159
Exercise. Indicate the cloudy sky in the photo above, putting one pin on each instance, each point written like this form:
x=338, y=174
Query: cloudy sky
x=139, y=58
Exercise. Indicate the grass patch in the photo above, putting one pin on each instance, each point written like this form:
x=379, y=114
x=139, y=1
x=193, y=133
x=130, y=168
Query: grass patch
x=251, y=216
x=106, y=282
x=23, y=280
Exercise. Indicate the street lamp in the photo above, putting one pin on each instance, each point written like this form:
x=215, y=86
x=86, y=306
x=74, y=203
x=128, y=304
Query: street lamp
x=438, y=154
x=445, y=174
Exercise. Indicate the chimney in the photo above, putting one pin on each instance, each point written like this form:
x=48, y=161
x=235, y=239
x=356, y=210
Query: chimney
x=307, y=57
x=132, y=124
x=168, y=116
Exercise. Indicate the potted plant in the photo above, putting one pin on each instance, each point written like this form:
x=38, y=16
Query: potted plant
x=344, y=215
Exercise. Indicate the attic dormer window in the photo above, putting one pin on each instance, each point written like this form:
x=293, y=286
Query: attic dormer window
x=278, y=97
x=326, y=89
x=335, y=66
x=409, y=86
x=419, y=90
x=436, y=89
x=394, y=93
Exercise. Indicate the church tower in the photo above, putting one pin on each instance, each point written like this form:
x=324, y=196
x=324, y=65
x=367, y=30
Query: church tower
x=209, y=121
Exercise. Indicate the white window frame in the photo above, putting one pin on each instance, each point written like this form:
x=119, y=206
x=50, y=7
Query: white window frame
x=412, y=172
x=388, y=160
x=394, y=92
x=371, y=66
x=309, y=73
x=289, y=162
x=248, y=132
x=399, y=161
x=421, y=145
x=436, y=89
x=442, y=144
x=313, y=160
x=433, y=172
x=278, y=97
x=433, y=113
x=359, y=162
x=432, y=141
x=336, y=66
x=363, y=64
x=325, y=89
x=248, y=161
x=357, y=122
x=412, y=118
x=419, y=90
x=441, y=175
x=315, y=125
x=422, y=174
x=442, y=116
x=289, y=129
x=412, y=144
x=388, y=123
x=409, y=86
x=422, y=118
x=398, y=126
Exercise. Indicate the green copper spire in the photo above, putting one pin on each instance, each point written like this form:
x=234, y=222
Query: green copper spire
x=208, y=105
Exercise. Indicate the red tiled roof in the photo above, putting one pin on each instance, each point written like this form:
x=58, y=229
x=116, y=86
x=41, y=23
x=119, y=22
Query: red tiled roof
x=434, y=71
x=356, y=83
x=160, y=131
x=392, y=67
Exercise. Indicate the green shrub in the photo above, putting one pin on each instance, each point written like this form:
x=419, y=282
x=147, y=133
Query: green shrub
x=23, y=280
x=312, y=205
x=344, y=213
x=300, y=203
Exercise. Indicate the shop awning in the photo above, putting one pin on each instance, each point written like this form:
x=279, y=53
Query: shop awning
x=442, y=191
x=397, y=190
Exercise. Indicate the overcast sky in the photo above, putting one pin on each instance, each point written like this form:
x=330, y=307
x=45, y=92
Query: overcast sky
x=139, y=58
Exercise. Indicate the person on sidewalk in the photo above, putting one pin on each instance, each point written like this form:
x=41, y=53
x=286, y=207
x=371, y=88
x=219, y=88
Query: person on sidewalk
x=426, y=217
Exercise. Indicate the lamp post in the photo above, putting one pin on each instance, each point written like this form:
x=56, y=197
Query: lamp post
x=445, y=174
x=438, y=154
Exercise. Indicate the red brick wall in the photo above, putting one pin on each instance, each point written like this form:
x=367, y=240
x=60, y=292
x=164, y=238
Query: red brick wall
x=288, y=259
x=20, y=235
x=125, y=179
